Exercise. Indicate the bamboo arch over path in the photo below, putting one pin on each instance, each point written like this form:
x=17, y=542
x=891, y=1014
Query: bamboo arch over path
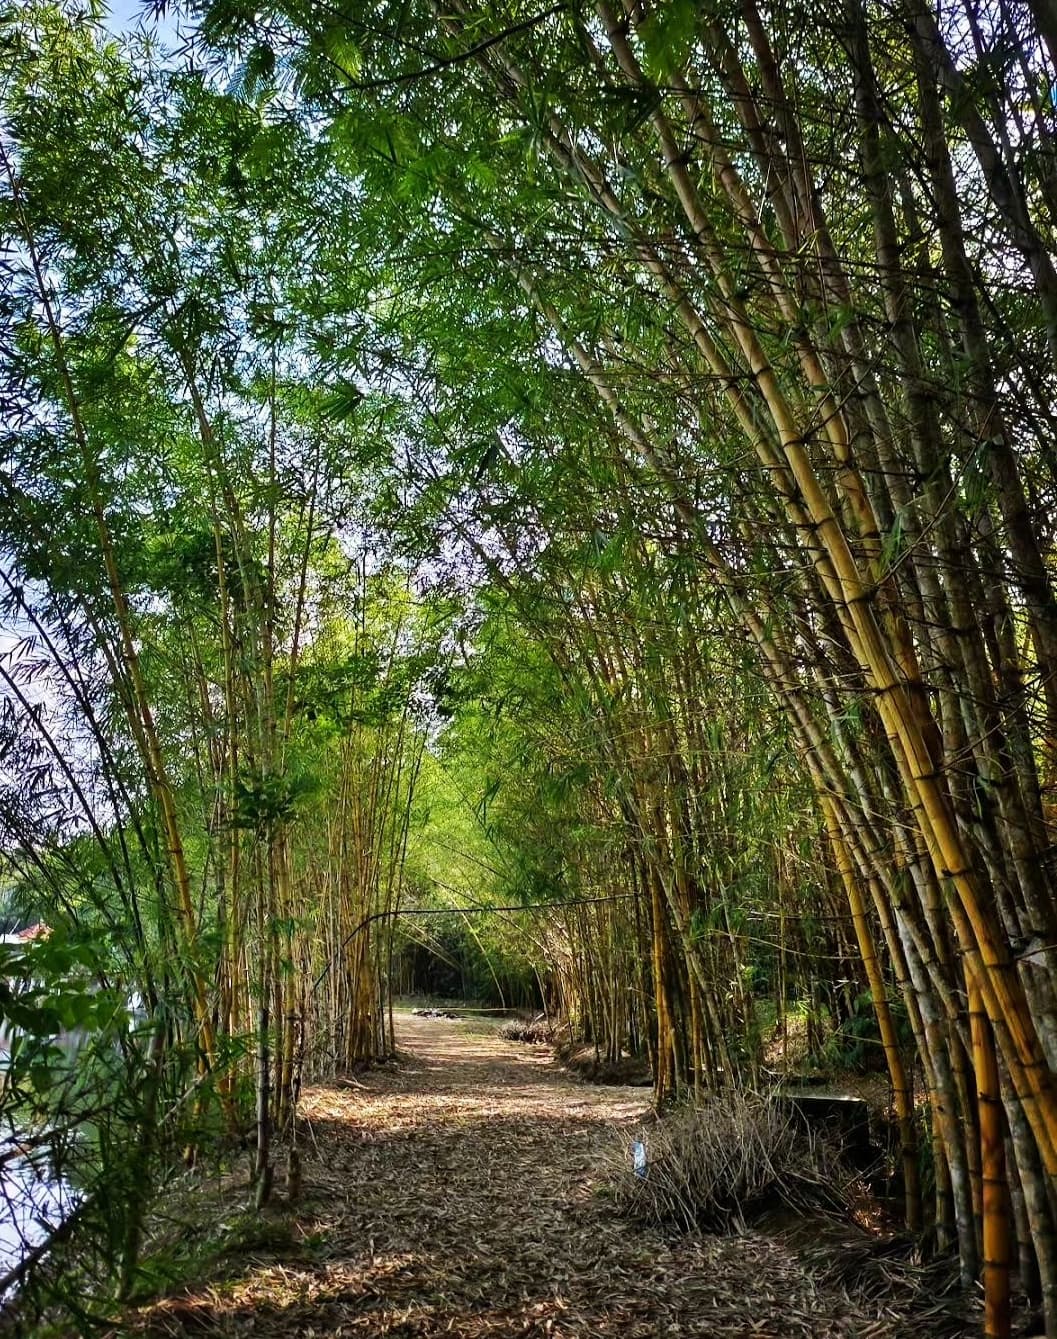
x=394, y=912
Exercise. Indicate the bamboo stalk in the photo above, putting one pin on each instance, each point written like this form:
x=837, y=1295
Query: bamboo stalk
x=997, y=1237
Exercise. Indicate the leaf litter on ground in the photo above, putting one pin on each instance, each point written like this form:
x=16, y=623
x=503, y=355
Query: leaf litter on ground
x=461, y=1193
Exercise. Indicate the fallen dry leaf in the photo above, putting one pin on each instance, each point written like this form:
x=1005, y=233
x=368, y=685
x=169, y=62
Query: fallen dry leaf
x=454, y=1194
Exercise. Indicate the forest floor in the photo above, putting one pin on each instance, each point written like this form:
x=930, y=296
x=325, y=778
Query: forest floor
x=458, y=1193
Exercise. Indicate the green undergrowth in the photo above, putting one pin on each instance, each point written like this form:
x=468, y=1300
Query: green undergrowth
x=206, y=1233
x=207, y=1237
x=201, y=1231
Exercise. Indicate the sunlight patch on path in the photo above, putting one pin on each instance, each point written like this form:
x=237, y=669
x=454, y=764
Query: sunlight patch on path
x=461, y=1193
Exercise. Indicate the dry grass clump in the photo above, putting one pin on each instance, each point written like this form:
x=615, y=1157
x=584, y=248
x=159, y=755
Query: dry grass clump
x=536, y=1031
x=713, y=1165
x=584, y=1061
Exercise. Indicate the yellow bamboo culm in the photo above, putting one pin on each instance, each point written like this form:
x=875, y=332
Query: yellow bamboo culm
x=995, y=1210
x=902, y=1092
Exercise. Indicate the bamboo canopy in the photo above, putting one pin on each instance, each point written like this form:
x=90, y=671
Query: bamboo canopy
x=614, y=440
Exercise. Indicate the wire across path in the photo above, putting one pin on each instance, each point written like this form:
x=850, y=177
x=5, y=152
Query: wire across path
x=461, y=1193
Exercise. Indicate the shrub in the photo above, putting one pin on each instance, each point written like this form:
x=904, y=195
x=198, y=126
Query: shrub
x=537, y=1031
x=712, y=1164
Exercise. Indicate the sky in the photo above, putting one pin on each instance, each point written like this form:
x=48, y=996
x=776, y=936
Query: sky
x=125, y=16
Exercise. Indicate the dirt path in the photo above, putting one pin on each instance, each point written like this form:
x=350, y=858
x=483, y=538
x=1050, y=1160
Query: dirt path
x=457, y=1194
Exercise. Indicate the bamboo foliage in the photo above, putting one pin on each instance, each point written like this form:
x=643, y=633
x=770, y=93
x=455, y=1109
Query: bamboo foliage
x=714, y=351
x=241, y=647
x=851, y=276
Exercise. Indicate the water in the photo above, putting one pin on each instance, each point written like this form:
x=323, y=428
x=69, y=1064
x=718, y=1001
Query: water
x=33, y=1203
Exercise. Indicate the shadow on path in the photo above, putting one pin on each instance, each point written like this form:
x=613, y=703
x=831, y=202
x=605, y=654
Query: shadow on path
x=460, y=1193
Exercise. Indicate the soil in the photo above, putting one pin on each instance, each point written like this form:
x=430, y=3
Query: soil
x=461, y=1193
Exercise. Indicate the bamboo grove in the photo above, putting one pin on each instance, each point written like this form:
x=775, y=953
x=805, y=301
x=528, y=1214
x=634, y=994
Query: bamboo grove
x=211, y=672
x=633, y=420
